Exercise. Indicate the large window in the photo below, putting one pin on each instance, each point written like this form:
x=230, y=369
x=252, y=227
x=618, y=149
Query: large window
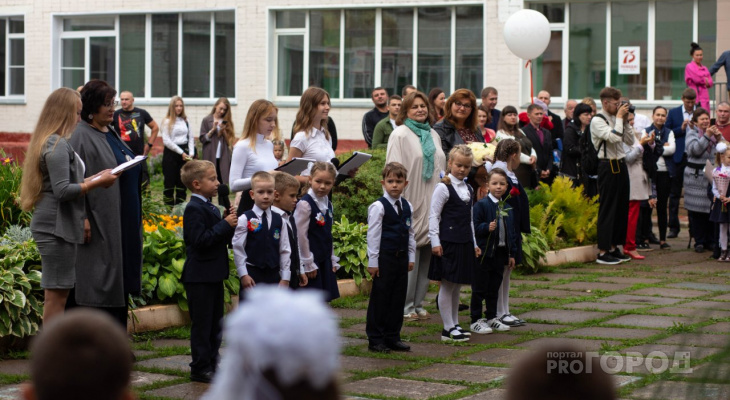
x=589, y=34
x=349, y=52
x=151, y=55
x=12, y=56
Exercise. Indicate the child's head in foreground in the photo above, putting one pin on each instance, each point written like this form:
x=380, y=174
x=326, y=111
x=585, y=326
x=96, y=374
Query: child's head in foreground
x=262, y=189
x=83, y=354
x=286, y=190
x=395, y=179
x=199, y=176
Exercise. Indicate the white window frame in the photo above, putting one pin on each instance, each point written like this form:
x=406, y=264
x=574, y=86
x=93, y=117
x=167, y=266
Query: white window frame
x=272, y=75
x=59, y=35
x=6, y=97
x=651, y=50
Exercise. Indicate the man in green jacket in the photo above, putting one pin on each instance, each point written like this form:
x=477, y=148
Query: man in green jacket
x=382, y=130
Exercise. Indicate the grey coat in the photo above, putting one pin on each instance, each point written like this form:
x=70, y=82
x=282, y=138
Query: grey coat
x=210, y=145
x=99, y=275
x=699, y=149
x=60, y=209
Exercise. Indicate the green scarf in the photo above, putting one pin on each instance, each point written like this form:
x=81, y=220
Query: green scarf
x=423, y=131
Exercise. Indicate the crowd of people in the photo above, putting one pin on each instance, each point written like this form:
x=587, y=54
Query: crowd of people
x=280, y=225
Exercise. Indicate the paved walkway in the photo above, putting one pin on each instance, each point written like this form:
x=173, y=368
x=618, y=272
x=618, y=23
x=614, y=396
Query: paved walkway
x=675, y=302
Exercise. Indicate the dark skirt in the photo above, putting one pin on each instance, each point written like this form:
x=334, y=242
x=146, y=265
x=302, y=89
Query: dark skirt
x=455, y=265
x=717, y=214
x=326, y=281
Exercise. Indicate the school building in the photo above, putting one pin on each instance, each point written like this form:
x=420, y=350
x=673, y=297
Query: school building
x=246, y=50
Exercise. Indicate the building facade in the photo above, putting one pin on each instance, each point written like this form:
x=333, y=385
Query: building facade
x=248, y=50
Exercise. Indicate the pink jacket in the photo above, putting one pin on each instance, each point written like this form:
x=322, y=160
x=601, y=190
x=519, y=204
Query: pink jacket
x=698, y=77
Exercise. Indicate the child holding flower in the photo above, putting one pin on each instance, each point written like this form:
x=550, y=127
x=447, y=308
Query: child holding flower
x=313, y=217
x=720, y=182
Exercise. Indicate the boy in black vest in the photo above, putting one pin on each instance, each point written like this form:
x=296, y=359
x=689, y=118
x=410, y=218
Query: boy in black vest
x=261, y=244
x=392, y=252
x=206, y=237
x=286, y=189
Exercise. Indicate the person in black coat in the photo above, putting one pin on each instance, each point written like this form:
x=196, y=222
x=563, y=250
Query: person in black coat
x=460, y=124
x=206, y=237
x=577, y=127
x=542, y=143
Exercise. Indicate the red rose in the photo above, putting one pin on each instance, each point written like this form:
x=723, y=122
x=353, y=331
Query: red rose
x=514, y=192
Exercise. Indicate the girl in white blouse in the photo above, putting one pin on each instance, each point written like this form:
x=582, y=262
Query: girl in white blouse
x=179, y=147
x=254, y=151
x=312, y=139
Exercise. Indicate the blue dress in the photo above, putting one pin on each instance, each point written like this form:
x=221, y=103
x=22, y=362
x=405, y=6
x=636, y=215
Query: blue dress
x=320, y=244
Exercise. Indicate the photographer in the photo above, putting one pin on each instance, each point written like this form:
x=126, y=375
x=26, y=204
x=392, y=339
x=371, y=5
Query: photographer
x=610, y=129
x=217, y=136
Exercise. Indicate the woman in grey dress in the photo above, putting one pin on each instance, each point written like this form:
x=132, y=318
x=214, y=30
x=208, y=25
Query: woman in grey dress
x=53, y=186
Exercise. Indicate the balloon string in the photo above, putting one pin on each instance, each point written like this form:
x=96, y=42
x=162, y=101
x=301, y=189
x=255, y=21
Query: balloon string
x=528, y=64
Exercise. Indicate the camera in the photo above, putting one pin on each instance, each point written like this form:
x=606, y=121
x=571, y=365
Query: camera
x=632, y=108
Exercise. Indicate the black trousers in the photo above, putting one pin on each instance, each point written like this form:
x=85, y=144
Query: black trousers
x=701, y=229
x=260, y=276
x=205, y=301
x=485, y=284
x=643, y=225
x=613, y=210
x=120, y=314
x=174, y=192
x=675, y=194
x=388, y=298
x=663, y=190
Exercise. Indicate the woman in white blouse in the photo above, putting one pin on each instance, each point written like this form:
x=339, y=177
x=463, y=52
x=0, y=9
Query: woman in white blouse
x=179, y=147
x=312, y=139
x=508, y=128
x=254, y=151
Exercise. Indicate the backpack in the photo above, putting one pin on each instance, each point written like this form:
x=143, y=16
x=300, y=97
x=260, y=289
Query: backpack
x=588, y=152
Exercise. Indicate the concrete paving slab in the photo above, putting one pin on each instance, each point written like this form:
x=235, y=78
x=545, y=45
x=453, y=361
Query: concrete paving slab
x=462, y=373
x=563, y=316
x=712, y=287
x=498, y=356
x=551, y=293
x=139, y=378
x=553, y=276
x=495, y=337
x=720, y=327
x=672, y=352
x=697, y=339
x=142, y=353
x=593, y=286
x=668, y=390
x=667, y=292
x=532, y=327
x=580, y=344
x=603, y=306
x=722, y=297
x=160, y=343
x=628, y=298
x=184, y=391
x=491, y=394
x=348, y=341
x=392, y=387
x=715, y=371
x=350, y=313
x=628, y=280
x=613, y=333
x=15, y=367
x=713, y=305
x=529, y=282
x=691, y=312
x=179, y=363
x=349, y=363
x=646, y=321
x=405, y=330
x=11, y=392
x=514, y=301
x=435, y=350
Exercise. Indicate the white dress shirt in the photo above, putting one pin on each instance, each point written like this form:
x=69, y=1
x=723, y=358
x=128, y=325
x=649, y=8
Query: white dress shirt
x=313, y=145
x=245, y=161
x=501, y=232
x=438, y=200
x=239, y=245
x=301, y=217
x=524, y=158
x=376, y=211
x=285, y=217
x=177, y=136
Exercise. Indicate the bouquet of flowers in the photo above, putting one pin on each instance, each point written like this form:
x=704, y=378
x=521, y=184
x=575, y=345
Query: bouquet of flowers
x=722, y=181
x=482, y=152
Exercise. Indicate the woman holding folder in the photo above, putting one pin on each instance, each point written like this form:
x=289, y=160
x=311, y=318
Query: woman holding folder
x=254, y=151
x=312, y=139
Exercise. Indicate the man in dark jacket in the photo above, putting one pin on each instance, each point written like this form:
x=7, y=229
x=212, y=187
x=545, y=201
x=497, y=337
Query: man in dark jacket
x=557, y=131
x=372, y=117
x=541, y=142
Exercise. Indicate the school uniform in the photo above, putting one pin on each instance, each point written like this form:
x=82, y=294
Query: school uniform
x=261, y=247
x=291, y=231
x=450, y=211
x=717, y=214
x=498, y=247
x=313, y=217
x=206, y=237
x=391, y=246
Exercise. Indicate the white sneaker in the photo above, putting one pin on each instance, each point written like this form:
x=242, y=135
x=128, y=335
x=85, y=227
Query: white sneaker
x=480, y=327
x=463, y=332
x=497, y=325
x=423, y=314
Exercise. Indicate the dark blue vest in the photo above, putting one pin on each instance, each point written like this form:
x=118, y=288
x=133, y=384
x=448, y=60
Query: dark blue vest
x=262, y=246
x=320, y=236
x=394, y=235
x=455, y=224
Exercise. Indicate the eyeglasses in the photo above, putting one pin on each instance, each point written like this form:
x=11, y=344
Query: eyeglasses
x=111, y=104
x=461, y=105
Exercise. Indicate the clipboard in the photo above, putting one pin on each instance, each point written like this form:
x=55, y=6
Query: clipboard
x=127, y=165
x=355, y=161
x=296, y=166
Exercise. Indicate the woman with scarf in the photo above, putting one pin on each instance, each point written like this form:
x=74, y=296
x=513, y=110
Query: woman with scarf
x=418, y=147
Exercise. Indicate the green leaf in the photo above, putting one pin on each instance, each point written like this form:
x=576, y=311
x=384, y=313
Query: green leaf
x=178, y=265
x=19, y=299
x=167, y=285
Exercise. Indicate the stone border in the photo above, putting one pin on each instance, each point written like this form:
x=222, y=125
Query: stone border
x=571, y=254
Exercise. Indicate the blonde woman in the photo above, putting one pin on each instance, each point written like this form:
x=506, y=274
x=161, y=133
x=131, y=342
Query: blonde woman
x=179, y=148
x=53, y=186
x=218, y=136
x=254, y=152
x=312, y=138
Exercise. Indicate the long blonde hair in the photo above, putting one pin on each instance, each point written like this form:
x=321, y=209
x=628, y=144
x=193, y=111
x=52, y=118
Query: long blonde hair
x=227, y=128
x=60, y=116
x=308, y=104
x=259, y=109
x=172, y=115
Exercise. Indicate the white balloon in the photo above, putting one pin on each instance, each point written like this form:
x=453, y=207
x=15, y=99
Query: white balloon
x=527, y=34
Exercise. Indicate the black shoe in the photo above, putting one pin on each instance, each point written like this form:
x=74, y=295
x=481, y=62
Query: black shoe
x=379, y=348
x=204, y=377
x=463, y=307
x=607, y=258
x=673, y=234
x=699, y=248
x=653, y=239
x=398, y=346
x=643, y=247
x=664, y=246
x=616, y=253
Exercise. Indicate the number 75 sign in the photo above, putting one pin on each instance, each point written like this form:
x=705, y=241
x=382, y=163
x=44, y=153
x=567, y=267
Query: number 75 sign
x=629, y=58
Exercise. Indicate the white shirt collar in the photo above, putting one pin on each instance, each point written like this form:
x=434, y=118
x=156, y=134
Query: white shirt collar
x=456, y=181
x=201, y=197
x=494, y=199
x=392, y=200
x=314, y=132
x=321, y=201
x=258, y=211
x=279, y=211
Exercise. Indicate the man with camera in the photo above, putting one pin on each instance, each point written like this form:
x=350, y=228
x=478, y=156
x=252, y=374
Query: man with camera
x=610, y=129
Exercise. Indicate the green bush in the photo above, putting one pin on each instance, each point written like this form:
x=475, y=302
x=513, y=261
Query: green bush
x=350, y=243
x=353, y=196
x=21, y=296
x=10, y=212
x=534, y=247
x=563, y=214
